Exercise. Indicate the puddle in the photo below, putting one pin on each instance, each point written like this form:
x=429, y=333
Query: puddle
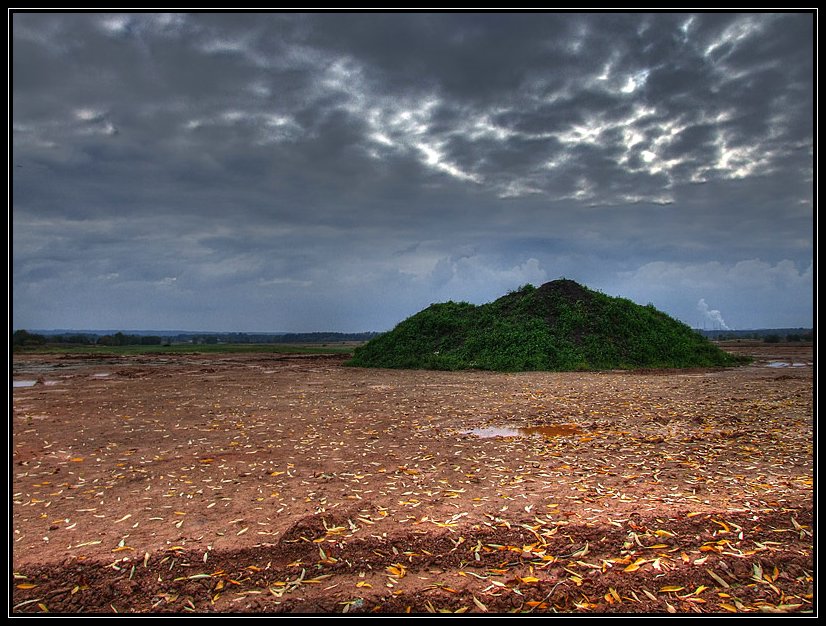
x=559, y=430
x=786, y=364
x=24, y=383
x=101, y=375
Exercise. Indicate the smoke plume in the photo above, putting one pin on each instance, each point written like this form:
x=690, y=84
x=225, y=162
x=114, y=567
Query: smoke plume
x=712, y=315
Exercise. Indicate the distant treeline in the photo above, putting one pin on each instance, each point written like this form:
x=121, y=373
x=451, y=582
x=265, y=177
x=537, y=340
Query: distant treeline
x=23, y=338
x=275, y=338
x=769, y=335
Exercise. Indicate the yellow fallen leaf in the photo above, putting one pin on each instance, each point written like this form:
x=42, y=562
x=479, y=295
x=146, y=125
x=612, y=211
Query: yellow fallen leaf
x=363, y=583
x=529, y=580
x=26, y=586
x=723, y=525
x=317, y=580
x=336, y=530
x=718, y=578
x=397, y=570
x=670, y=588
x=635, y=565
x=582, y=552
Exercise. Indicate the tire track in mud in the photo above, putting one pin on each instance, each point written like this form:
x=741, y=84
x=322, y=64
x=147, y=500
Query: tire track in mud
x=731, y=562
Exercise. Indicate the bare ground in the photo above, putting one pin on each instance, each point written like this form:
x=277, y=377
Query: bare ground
x=267, y=483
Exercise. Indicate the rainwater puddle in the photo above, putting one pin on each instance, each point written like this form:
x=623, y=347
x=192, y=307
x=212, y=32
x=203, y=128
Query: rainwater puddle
x=559, y=430
x=101, y=375
x=785, y=364
x=24, y=383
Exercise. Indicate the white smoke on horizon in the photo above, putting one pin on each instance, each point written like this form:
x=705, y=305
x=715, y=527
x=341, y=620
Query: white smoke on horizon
x=713, y=315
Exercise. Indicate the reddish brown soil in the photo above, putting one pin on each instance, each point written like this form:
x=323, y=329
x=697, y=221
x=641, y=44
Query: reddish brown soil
x=267, y=483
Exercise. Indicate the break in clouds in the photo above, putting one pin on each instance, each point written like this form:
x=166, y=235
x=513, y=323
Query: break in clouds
x=340, y=172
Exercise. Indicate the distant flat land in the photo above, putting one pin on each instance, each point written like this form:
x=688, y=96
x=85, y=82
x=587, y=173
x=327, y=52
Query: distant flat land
x=339, y=347
x=274, y=482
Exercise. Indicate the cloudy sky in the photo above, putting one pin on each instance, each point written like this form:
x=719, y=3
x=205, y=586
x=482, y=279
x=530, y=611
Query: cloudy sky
x=287, y=172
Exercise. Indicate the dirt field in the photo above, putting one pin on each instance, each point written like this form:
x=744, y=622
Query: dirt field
x=267, y=483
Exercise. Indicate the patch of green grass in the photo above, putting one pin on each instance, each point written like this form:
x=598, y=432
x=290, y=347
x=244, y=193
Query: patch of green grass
x=226, y=348
x=560, y=326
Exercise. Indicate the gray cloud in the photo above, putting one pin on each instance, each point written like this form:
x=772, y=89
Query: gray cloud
x=237, y=171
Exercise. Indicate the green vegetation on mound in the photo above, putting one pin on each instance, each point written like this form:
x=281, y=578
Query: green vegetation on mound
x=559, y=326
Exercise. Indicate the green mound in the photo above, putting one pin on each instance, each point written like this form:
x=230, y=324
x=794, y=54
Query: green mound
x=558, y=326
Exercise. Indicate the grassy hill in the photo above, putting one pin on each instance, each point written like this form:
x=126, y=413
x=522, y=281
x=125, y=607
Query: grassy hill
x=558, y=326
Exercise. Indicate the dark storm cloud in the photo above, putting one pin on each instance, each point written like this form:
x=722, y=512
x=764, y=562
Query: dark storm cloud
x=268, y=169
